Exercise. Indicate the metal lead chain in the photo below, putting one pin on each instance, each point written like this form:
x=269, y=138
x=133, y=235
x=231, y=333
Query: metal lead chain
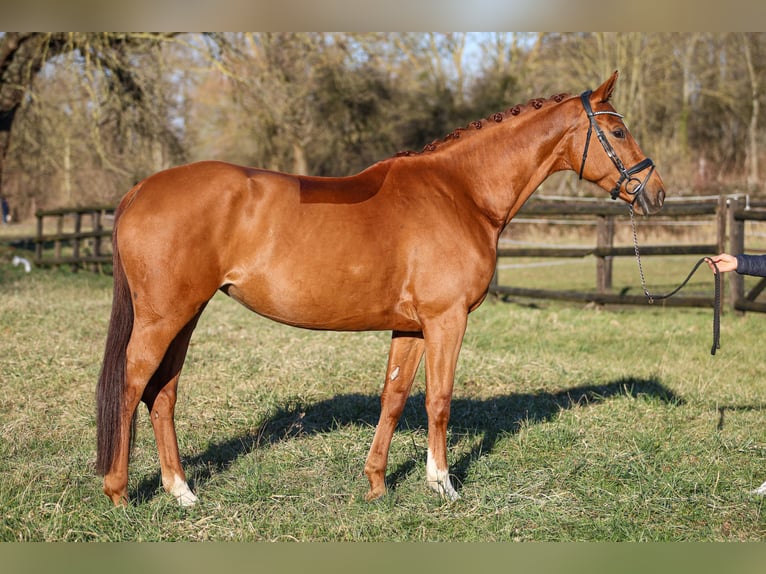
x=649, y=296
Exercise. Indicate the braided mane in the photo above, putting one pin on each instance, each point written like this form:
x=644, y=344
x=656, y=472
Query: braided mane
x=475, y=126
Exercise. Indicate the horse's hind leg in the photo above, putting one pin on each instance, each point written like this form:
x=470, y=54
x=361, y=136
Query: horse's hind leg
x=403, y=360
x=160, y=398
x=146, y=352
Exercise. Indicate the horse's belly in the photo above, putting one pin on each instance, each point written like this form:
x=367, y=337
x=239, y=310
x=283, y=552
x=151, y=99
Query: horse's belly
x=334, y=304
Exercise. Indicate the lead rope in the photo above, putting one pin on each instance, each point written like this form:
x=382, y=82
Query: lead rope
x=652, y=298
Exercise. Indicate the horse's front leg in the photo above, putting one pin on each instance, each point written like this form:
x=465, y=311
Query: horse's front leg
x=443, y=339
x=403, y=360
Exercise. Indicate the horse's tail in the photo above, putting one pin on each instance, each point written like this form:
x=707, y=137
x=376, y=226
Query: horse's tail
x=111, y=381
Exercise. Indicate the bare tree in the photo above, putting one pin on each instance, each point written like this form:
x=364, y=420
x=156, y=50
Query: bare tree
x=21, y=57
x=93, y=95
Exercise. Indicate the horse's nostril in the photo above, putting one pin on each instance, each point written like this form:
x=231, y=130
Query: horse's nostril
x=661, y=197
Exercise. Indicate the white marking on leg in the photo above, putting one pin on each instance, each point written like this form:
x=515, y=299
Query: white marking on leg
x=761, y=490
x=438, y=479
x=394, y=373
x=182, y=492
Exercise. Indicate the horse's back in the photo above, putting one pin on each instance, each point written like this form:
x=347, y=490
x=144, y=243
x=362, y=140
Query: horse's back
x=212, y=186
x=202, y=186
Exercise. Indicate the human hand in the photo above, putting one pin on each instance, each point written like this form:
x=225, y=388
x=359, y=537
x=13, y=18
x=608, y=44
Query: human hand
x=724, y=262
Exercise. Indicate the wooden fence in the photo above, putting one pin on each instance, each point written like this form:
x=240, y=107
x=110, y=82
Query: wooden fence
x=727, y=213
x=81, y=239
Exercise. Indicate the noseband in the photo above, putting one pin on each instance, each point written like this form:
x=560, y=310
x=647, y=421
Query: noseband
x=633, y=186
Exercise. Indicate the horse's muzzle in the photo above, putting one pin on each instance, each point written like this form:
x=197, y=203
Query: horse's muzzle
x=644, y=205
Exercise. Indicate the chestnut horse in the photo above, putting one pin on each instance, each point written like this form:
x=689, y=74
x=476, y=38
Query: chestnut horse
x=408, y=245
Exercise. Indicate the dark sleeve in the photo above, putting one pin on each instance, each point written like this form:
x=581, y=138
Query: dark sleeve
x=751, y=265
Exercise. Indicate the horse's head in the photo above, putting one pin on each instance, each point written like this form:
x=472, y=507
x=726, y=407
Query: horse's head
x=617, y=165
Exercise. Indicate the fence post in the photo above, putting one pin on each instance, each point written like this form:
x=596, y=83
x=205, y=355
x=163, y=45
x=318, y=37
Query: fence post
x=39, y=242
x=59, y=232
x=604, y=240
x=97, y=227
x=76, y=240
x=736, y=246
x=721, y=219
x=493, y=284
x=721, y=216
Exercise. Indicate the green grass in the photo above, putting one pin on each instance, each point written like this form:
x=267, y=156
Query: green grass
x=569, y=422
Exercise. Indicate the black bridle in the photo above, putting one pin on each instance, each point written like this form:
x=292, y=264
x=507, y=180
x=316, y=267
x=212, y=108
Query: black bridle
x=633, y=186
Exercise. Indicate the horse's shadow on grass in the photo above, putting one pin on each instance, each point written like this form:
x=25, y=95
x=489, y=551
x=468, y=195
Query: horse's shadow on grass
x=493, y=417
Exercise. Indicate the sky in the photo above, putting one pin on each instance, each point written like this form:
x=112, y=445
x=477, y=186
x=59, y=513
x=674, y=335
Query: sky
x=386, y=15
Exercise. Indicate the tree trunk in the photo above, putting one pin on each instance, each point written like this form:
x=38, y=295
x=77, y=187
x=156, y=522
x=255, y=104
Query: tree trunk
x=21, y=57
x=687, y=58
x=10, y=92
x=6, y=119
x=752, y=131
x=300, y=165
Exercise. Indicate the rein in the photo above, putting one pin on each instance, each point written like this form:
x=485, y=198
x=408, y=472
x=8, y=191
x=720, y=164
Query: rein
x=652, y=298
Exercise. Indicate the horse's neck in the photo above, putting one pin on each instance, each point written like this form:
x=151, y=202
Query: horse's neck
x=502, y=167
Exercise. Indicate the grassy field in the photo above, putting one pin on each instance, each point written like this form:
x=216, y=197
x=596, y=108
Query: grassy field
x=569, y=423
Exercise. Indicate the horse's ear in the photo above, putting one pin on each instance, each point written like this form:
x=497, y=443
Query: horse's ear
x=604, y=91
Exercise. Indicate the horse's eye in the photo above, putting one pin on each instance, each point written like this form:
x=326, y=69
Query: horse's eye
x=619, y=133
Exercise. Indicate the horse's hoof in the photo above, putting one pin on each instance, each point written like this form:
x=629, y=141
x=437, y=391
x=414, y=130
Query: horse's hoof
x=374, y=494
